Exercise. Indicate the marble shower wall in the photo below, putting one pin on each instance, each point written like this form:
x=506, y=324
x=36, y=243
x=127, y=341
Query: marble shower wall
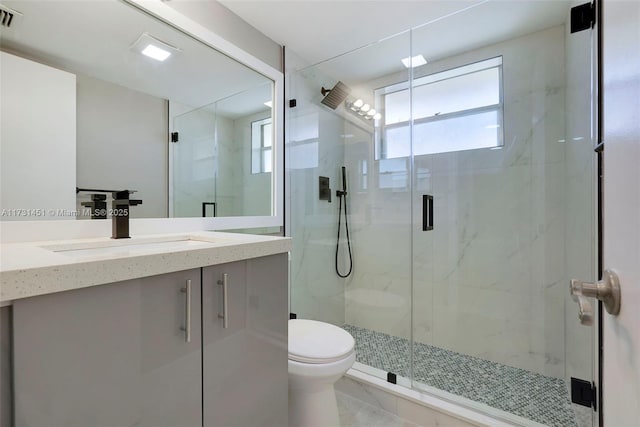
x=490, y=279
x=314, y=148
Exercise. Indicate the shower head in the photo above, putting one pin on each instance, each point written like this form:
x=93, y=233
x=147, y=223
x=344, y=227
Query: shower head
x=334, y=97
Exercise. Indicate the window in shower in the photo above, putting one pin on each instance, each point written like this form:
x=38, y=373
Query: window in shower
x=261, y=145
x=453, y=110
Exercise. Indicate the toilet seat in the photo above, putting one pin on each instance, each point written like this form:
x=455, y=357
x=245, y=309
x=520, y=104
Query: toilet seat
x=316, y=342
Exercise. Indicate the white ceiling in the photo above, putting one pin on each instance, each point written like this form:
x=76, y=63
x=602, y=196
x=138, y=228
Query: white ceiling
x=318, y=30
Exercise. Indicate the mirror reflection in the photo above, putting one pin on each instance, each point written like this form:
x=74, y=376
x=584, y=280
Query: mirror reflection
x=102, y=96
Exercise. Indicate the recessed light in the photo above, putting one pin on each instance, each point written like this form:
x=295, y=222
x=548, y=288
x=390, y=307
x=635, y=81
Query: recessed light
x=153, y=48
x=416, y=61
x=269, y=104
x=155, y=52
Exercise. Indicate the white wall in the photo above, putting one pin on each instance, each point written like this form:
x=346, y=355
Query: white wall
x=122, y=144
x=621, y=118
x=37, y=139
x=231, y=27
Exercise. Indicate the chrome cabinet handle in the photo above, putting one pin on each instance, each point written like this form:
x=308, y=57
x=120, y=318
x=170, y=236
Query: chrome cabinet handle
x=607, y=290
x=225, y=306
x=187, y=321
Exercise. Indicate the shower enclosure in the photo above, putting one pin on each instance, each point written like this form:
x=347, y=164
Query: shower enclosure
x=471, y=205
x=220, y=156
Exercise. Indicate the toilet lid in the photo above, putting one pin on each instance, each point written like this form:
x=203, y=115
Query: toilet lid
x=311, y=341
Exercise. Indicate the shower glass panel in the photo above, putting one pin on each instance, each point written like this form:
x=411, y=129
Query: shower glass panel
x=513, y=215
x=194, y=163
x=471, y=206
x=374, y=302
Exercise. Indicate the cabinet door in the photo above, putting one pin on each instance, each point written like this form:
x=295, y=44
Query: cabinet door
x=245, y=364
x=111, y=355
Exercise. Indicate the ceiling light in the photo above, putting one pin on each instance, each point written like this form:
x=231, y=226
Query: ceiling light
x=269, y=104
x=155, y=52
x=358, y=103
x=378, y=116
x=371, y=112
x=365, y=108
x=416, y=61
x=153, y=48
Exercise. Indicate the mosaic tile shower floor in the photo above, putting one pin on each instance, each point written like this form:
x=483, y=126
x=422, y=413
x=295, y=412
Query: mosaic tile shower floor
x=527, y=394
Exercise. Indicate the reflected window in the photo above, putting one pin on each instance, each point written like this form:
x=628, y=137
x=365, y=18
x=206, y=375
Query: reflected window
x=454, y=110
x=261, y=145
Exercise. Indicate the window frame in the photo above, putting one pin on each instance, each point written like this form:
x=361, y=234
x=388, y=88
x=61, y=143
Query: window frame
x=474, y=67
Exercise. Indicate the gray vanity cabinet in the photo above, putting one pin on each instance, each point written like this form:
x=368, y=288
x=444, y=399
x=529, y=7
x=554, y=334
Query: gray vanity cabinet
x=245, y=345
x=111, y=355
x=117, y=355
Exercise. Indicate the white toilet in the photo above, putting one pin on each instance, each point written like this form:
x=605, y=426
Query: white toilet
x=319, y=354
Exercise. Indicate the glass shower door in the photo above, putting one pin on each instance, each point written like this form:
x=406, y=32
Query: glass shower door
x=502, y=143
x=373, y=303
x=194, y=163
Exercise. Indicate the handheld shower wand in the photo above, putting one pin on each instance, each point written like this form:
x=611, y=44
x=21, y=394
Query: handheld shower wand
x=340, y=194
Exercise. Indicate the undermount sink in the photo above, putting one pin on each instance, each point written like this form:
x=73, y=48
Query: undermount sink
x=126, y=247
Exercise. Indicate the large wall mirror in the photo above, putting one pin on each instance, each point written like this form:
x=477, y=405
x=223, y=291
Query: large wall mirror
x=101, y=96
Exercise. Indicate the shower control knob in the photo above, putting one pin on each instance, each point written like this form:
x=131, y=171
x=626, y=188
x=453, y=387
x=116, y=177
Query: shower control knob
x=607, y=290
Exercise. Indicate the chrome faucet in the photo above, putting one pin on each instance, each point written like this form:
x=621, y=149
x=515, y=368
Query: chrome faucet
x=120, y=213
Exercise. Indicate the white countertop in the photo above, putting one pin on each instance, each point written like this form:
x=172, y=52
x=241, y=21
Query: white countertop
x=38, y=268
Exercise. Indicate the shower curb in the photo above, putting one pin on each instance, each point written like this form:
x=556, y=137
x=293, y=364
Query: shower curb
x=415, y=406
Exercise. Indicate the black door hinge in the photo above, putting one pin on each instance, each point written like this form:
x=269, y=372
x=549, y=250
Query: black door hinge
x=584, y=393
x=174, y=136
x=583, y=17
x=392, y=378
x=293, y=103
x=293, y=316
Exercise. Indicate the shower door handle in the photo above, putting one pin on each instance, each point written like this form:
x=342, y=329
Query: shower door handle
x=607, y=290
x=427, y=212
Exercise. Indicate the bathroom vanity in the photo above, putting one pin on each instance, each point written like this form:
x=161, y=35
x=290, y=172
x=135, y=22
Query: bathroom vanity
x=181, y=329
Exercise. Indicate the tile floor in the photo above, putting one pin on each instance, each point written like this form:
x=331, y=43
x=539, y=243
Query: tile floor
x=356, y=413
x=527, y=394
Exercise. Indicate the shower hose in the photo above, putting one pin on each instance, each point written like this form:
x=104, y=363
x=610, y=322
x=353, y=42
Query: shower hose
x=346, y=226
